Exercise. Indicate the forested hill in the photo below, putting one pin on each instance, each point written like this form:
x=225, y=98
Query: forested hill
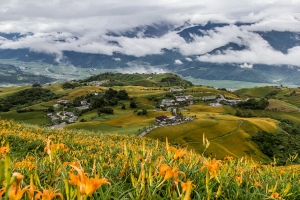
x=147, y=80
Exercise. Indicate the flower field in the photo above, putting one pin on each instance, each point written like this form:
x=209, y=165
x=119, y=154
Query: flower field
x=39, y=163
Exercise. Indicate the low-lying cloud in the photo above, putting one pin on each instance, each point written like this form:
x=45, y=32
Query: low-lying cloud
x=117, y=59
x=84, y=28
x=141, y=69
x=178, y=62
x=247, y=66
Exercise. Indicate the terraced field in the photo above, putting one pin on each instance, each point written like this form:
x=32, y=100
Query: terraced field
x=279, y=105
x=228, y=134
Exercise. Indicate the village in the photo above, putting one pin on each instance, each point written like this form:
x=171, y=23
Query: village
x=62, y=116
x=65, y=112
x=178, y=103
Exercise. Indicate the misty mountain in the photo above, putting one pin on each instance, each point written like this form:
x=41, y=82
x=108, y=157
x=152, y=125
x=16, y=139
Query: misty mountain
x=174, y=59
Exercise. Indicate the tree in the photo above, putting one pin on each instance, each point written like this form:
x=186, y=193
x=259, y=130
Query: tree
x=244, y=113
x=106, y=110
x=110, y=94
x=254, y=104
x=132, y=104
x=169, y=95
x=77, y=101
x=98, y=102
x=122, y=95
x=68, y=85
x=50, y=109
x=143, y=112
x=36, y=84
x=113, y=101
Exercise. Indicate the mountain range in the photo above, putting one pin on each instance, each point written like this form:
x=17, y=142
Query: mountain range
x=196, y=63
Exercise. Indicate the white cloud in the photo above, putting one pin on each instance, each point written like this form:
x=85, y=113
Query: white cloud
x=189, y=59
x=84, y=26
x=117, y=59
x=245, y=65
x=141, y=69
x=258, y=51
x=178, y=62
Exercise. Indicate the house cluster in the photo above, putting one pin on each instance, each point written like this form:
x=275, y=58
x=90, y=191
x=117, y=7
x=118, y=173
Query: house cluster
x=60, y=116
x=98, y=83
x=217, y=101
x=176, y=90
x=70, y=117
x=189, y=99
x=163, y=120
x=63, y=101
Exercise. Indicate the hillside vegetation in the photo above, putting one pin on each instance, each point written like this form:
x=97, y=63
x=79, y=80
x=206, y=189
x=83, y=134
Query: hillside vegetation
x=46, y=164
x=26, y=98
x=148, y=80
x=231, y=130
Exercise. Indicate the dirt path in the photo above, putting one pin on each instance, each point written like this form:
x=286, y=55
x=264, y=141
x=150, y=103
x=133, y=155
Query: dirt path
x=227, y=134
x=154, y=127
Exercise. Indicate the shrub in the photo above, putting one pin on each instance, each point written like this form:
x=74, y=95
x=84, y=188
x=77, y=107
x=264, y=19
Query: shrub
x=106, y=110
x=133, y=104
x=244, y=113
x=253, y=104
x=143, y=112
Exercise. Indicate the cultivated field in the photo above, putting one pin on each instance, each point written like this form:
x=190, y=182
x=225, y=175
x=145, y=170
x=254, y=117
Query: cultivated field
x=227, y=133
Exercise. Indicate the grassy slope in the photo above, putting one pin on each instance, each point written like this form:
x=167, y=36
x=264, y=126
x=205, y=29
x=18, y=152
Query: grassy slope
x=37, y=118
x=236, y=143
x=135, y=168
x=6, y=91
x=281, y=106
x=255, y=92
x=225, y=139
x=146, y=80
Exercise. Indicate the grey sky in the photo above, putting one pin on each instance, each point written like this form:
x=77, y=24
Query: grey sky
x=89, y=20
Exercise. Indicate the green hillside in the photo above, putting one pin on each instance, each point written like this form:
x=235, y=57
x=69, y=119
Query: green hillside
x=147, y=80
x=60, y=164
x=228, y=134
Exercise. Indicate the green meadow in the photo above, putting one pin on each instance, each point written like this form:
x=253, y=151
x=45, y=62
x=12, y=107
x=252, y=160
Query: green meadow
x=227, y=133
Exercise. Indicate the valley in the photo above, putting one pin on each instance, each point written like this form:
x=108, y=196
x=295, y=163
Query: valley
x=22, y=73
x=227, y=133
x=149, y=100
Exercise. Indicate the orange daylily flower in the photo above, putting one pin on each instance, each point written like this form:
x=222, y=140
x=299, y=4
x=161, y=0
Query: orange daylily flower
x=212, y=166
x=178, y=152
x=24, y=164
x=238, y=179
x=15, y=193
x=48, y=195
x=258, y=184
x=228, y=158
x=55, y=147
x=32, y=188
x=275, y=195
x=169, y=173
x=3, y=150
x=49, y=149
x=187, y=188
x=87, y=186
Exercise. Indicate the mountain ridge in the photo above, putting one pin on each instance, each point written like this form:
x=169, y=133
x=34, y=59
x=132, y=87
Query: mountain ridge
x=174, y=60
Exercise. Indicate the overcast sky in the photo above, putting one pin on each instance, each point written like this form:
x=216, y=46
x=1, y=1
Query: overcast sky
x=54, y=20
